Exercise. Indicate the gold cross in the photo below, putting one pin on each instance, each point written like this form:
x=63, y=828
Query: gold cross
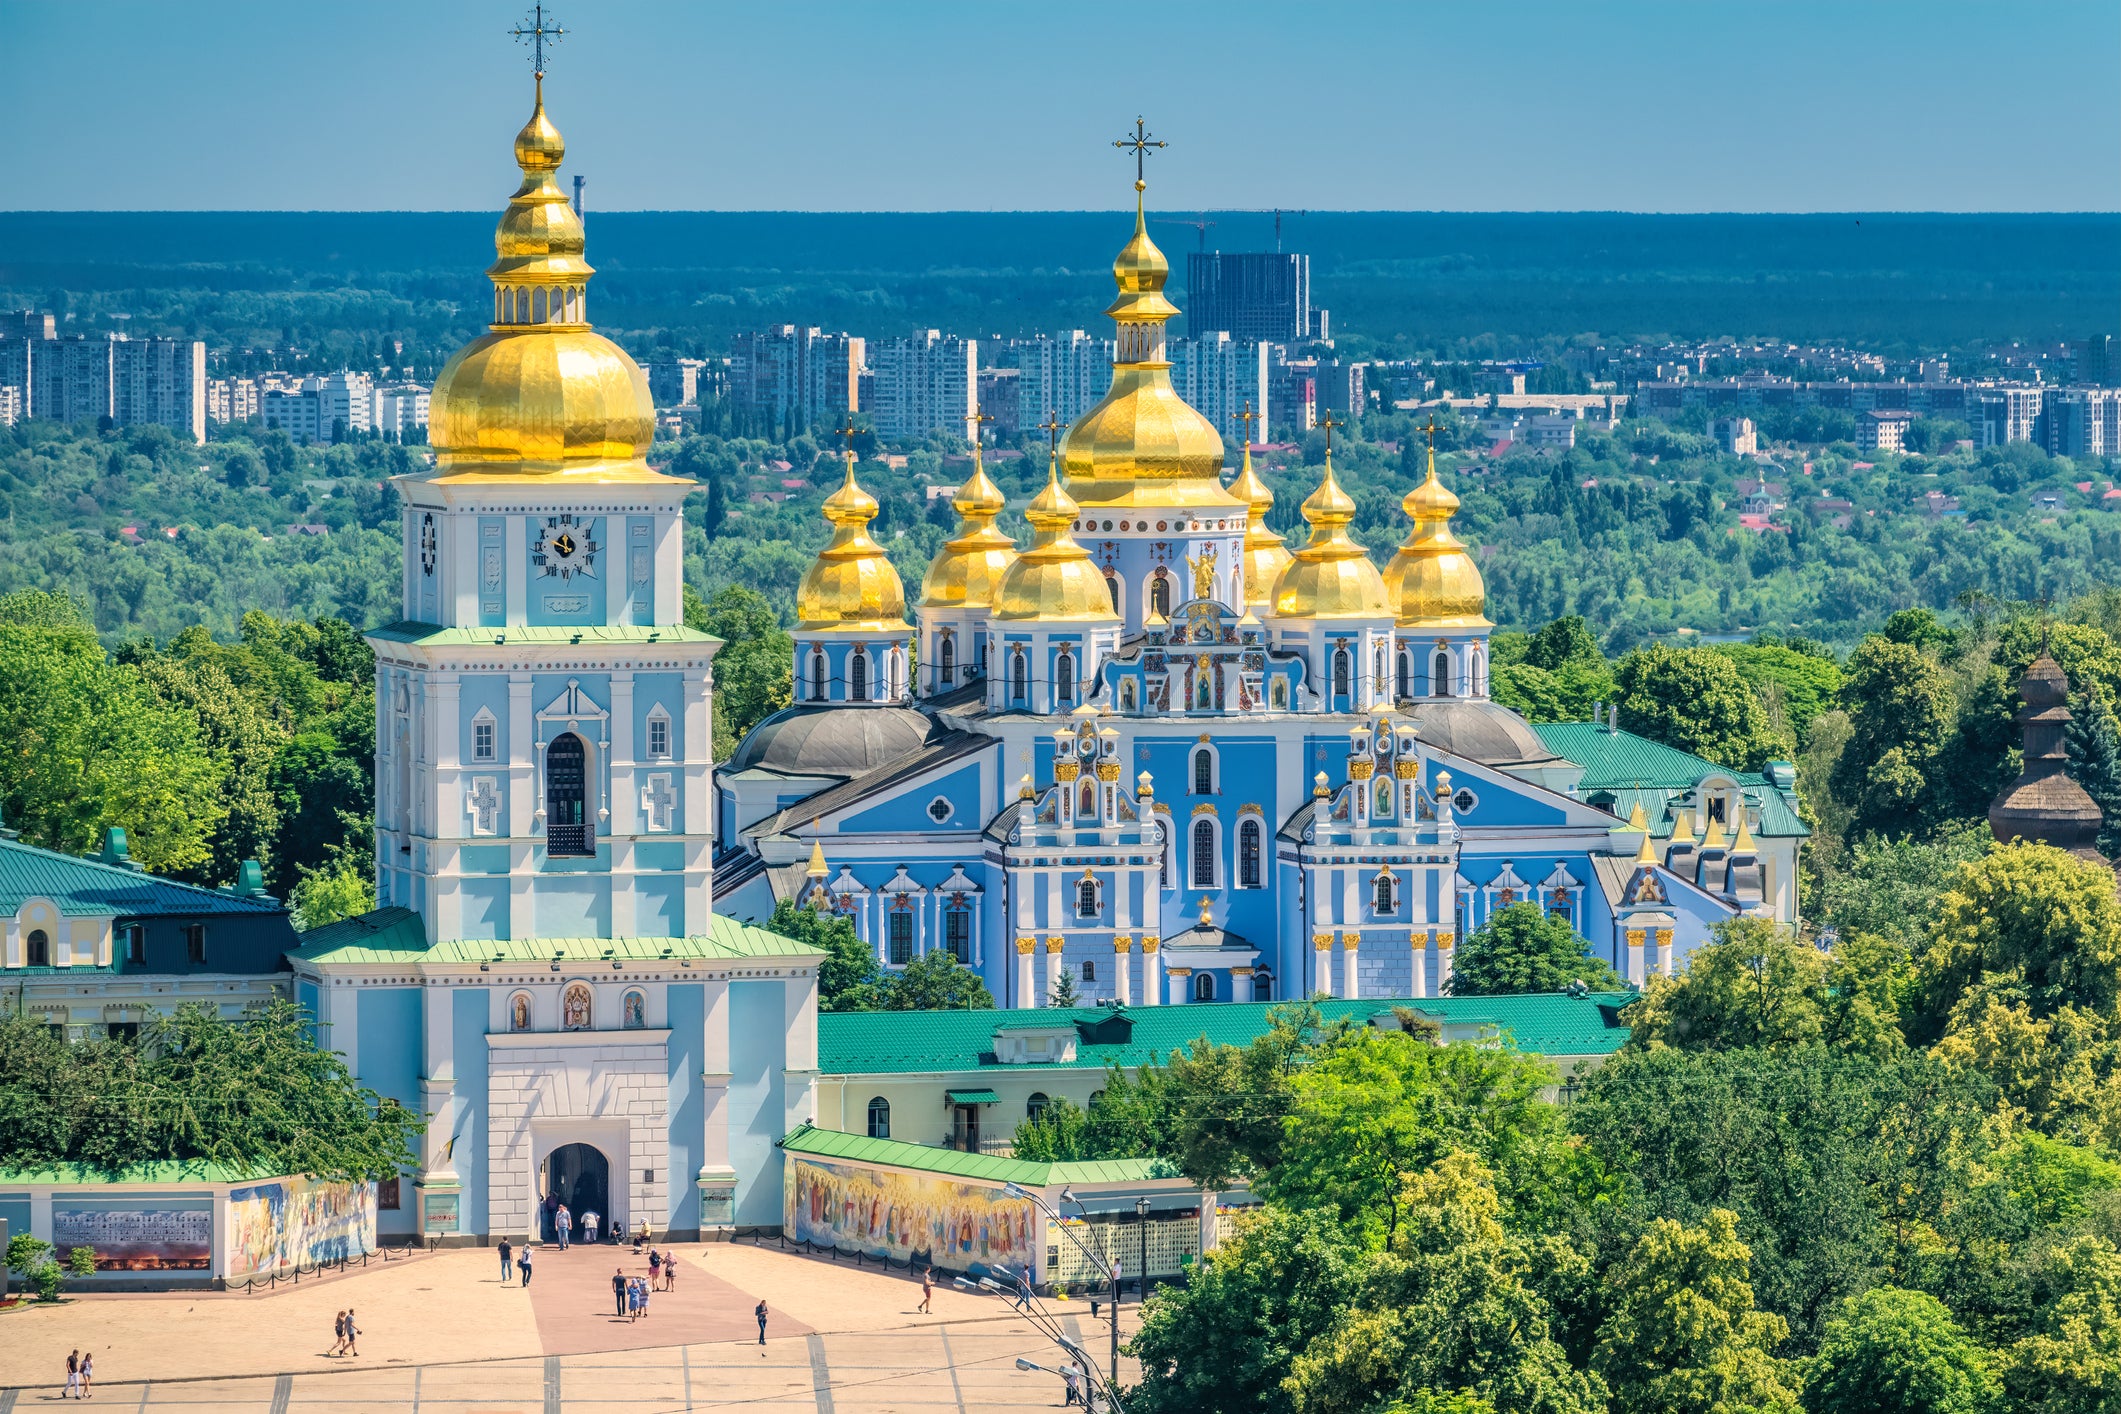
x=1329, y=423
x=973, y=419
x=537, y=33
x=1248, y=417
x=1052, y=428
x=1432, y=434
x=847, y=431
x=1141, y=142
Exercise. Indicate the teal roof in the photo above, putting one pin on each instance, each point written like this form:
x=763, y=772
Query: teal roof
x=421, y=635
x=1636, y=768
x=158, y=1171
x=901, y=1042
x=392, y=936
x=80, y=887
x=860, y=1148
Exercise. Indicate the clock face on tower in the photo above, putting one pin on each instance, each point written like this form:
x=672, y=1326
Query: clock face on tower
x=565, y=548
x=427, y=544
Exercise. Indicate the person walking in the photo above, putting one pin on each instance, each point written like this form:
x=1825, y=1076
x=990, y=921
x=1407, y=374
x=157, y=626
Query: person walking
x=507, y=1261
x=670, y=1271
x=338, y=1334
x=1023, y=1289
x=1073, y=1379
x=73, y=1376
x=927, y=1292
x=353, y=1334
x=618, y=1288
x=551, y=1231
x=761, y=1314
x=590, y=1223
x=646, y=1288
x=523, y=1265
x=563, y=1223
x=88, y=1371
x=655, y=1266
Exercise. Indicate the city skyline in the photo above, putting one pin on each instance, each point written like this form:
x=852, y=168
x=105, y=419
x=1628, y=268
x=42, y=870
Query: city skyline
x=1632, y=106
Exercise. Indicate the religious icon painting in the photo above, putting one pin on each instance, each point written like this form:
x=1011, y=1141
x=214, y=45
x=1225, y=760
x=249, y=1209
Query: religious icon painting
x=574, y=1007
x=633, y=1011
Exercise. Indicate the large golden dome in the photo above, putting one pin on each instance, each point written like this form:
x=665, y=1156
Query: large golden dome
x=1142, y=446
x=1433, y=581
x=969, y=571
x=1265, y=554
x=852, y=584
x=541, y=394
x=1330, y=577
x=1055, y=580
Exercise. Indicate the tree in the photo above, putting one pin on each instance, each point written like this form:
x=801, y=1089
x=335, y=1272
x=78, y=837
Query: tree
x=754, y=671
x=1064, y=992
x=847, y=979
x=1521, y=949
x=1693, y=699
x=1683, y=1336
x=2070, y=1362
x=1565, y=640
x=1892, y=1351
x=1057, y=1133
x=1917, y=628
x=1758, y=986
x=1218, y=1111
x=1901, y=711
x=2094, y=742
x=1805, y=683
x=1891, y=887
x=2042, y=923
x=340, y=890
x=934, y=981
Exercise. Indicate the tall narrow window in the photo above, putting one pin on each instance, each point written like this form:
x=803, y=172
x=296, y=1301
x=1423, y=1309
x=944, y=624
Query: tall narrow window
x=1441, y=675
x=817, y=675
x=901, y=938
x=1204, y=986
x=1160, y=594
x=1404, y=684
x=1019, y=678
x=1036, y=1105
x=195, y=943
x=1203, y=772
x=658, y=736
x=1248, y=855
x=1341, y=669
x=135, y=938
x=38, y=948
x=1112, y=588
x=946, y=661
x=858, y=675
x=1384, y=893
x=1064, y=677
x=567, y=829
x=1086, y=899
x=957, y=933
x=1203, y=855
x=880, y=1118
x=482, y=741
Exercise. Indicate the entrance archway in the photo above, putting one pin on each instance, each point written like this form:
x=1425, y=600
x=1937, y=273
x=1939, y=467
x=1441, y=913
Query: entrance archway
x=580, y=1176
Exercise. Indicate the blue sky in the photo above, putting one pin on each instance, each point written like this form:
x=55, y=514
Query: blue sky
x=1773, y=105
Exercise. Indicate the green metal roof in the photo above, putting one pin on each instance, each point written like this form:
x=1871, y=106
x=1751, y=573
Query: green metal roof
x=80, y=887
x=860, y=1148
x=1636, y=768
x=972, y=1097
x=159, y=1171
x=422, y=635
x=392, y=936
x=903, y=1042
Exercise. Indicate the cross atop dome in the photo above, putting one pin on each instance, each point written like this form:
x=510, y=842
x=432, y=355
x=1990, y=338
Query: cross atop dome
x=536, y=32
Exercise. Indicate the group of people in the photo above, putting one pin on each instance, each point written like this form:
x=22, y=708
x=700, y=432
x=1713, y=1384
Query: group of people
x=513, y=1261
x=80, y=1372
x=563, y=1222
x=345, y=1333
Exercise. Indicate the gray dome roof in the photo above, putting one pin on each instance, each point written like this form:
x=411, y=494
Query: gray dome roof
x=1481, y=731
x=831, y=741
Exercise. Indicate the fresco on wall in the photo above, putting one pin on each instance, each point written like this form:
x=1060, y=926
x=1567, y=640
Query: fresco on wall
x=147, y=1238
x=298, y=1222
x=959, y=1226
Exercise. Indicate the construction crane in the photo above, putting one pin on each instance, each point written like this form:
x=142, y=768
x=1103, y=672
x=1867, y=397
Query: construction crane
x=1200, y=225
x=1280, y=212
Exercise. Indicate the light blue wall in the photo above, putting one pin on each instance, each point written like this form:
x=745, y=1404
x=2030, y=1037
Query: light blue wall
x=578, y=907
x=387, y=1042
x=578, y=601
x=469, y=1017
x=493, y=590
x=687, y=1011
x=485, y=909
x=659, y=906
x=757, y=1055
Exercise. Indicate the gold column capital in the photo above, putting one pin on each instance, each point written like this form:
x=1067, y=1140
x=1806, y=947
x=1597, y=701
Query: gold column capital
x=1636, y=936
x=1149, y=942
x=1323, y=942
x=1053, y=942
x=1664, y=937
x=1121, y=942
x=1351, y=941
x=1024, y=945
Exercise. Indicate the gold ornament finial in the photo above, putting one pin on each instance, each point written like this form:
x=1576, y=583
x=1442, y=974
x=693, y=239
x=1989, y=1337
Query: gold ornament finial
x=1432, y=580
x=534, y=32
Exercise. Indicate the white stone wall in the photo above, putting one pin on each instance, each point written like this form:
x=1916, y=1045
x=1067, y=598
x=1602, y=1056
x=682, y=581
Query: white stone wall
x=603, y=1088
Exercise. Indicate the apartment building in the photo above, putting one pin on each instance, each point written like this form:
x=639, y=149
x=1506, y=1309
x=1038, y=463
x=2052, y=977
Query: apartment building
x=1221, y=375
x=1883, y=430
x=86, y=378
x=1063, y=374
x=796, y=376
x=675, y=382
x=159, y=382
x=401, y=411
x=2001, y=415
x=925, y=383
x=1256, y=298
x=320, y=408
x=2082, y=422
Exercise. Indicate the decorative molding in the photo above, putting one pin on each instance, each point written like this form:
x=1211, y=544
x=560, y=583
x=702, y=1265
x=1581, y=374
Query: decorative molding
x=1350, y=940
x=1150, y=942
x=1024, y=945
x=1323, y=942
x=1054, y=942
x=1122, y=943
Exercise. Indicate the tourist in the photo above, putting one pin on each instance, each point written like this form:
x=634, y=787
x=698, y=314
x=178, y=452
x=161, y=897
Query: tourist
x=88, y=1371
x=670, y=1271
x=552, y=1217
x=353, y=1334
x=1023, y=1288
x=927, y=1291
x=655, y=1265
x=507, y=1260
x=761, y=1314
x=73, y=1371
x=646, y=1289
x=618, y=1288
x=590, y=1223
x=523, y=1264
x=338, y=1333
x=1073, y=1379
x=563, y=1224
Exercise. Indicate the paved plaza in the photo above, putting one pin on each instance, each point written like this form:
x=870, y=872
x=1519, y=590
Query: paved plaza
x=439, y=1332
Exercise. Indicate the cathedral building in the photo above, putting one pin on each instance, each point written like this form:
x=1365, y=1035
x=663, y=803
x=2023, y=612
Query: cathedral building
x=1164, y=755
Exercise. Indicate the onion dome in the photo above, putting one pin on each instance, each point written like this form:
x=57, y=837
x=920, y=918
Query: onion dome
x=1331, y=577
x=1143, y=447
x=968, y=572
x=1054, y=580
x=1432, y=580
x=2044, y=805
x=852, y=584
x=541, y=394
x=1265, y=554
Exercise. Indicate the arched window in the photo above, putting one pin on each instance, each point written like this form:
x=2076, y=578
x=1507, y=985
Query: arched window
x=39, y=948
x=1262, y=986
x=1112, y=588
x=1203, y=854
x=1377, y=675
x=1035, y=1107
x=1203, y=772
x=1384, y=893
x=1086, y=899
x=879, y=1118
x=1477, y=674
x=1248, y=854
x=1163, y=854
x=567, y=828
x=1204, y=986
x=1019, y=677
x=1064, y=677
x=895, y=675
x=946, y=660
x=1089, y=969
x=817, y=675
x=1440, y=676
x=1405, y=685
x=1341, y=668
x=1160, y=594
x=857, y=675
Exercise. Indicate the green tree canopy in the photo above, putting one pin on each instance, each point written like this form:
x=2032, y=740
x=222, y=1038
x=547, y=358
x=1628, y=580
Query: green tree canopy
x=1758, y=985
x=1892, y=1351
x=847, y=980
x=1694, y=700
x=1901, y=712
x=1521, y=948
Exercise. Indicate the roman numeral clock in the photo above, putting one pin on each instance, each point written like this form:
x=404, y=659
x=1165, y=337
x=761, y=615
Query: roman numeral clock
x=566, y=546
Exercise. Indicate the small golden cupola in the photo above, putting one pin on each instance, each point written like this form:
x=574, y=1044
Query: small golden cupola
x=1143, y=447
x=1054, y=580
x=540, y=393
x=1330, y=577
x=852, y=585
x=1432, y=580
x=969, y=571
x=1265, y=554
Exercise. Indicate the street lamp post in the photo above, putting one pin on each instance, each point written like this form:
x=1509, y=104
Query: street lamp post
x=1141, y=1209
x=1059, y=1338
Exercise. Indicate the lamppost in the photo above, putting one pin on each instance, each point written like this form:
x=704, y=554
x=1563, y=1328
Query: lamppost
x=1054, y=1334
x=1141, y=1210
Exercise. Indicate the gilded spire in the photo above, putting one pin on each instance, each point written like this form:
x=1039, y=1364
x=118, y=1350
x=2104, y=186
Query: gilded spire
x=1638, y=818
x=1683, y=829
x=1331, y=577
x=1433, y=580
x=852, y=584
x=1648, y=853
x=1714, y=838
x=1054, y=580
x=1743, y=843
x=970, y=568
x=1266, y=556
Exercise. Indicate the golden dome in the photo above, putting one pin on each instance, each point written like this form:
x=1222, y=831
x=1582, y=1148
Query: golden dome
x=540, y=393
x=852, y=584
x=1331, y=577
x=1265, y=554
x=969, y=571
x=1143, y=447
x=1433, y=581
x=1054, y=580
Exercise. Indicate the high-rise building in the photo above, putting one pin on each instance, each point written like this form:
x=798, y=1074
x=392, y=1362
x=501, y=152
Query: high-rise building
x=1736, y=435
x=2096, y=361
x=1061, y=374
x=1000, y=401
x=70, y=379
x=84, y=378
x=796, y=376
x=10, y=405
x=321, y=408
x=1292, y=394
x=675, y=382
x=2001, y=415
x=1257, y=297
x=1883, y=429
x=1221, y=375
x=401, y=411
x=160, y=382
x=230, y=400
x=2082, y=422
x=924, y=384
